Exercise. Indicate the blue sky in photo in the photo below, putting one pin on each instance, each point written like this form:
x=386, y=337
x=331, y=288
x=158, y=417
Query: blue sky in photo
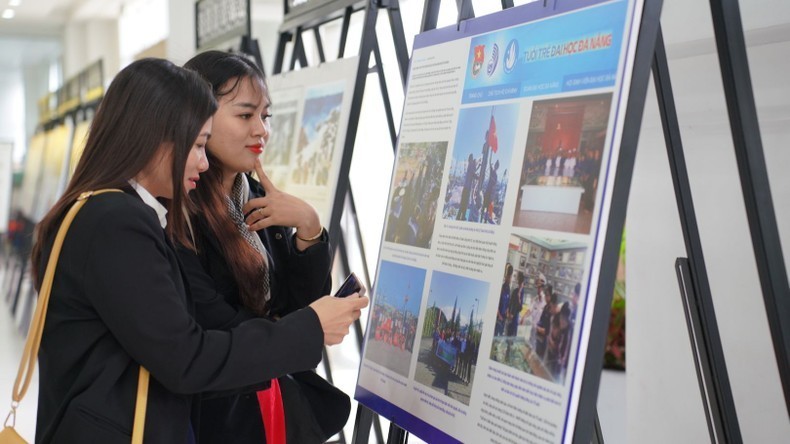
x=319, y=102
x=472, y=126
x=445, y=287
x=397, y=280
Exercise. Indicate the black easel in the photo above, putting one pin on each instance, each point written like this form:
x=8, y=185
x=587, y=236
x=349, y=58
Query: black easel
x=698, y=305
x=309, y=18
x=754, y=180
x=692, y=275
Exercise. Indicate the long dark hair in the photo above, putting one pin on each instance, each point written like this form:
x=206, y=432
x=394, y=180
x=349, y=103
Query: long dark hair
x=151, y=102
x=225, y=71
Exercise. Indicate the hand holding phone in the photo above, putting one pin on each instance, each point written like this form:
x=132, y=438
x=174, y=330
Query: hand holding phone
x=350, y=286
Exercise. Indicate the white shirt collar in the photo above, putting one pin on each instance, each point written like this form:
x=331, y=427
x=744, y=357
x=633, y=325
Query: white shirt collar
x=151, y=201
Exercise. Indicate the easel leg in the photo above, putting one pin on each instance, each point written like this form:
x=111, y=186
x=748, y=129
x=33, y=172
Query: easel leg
x=597, y=432
x=397, y=435
x=362, y=425
x=709, y=355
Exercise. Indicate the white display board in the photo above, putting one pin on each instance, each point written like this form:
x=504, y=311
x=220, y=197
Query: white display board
x=78, y=145
x=310, y=114
x=54, y=169
x=6, y=183
x=500, y=198
x=31, y=175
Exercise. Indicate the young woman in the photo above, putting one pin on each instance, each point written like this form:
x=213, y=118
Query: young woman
x=261, y=252
x=118, y=299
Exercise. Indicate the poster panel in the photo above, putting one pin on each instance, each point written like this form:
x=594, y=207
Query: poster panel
x=492, y=243
x=78, y=144
x=310, y=112
x=53, y=169
x=32, y=173
x=6, y=182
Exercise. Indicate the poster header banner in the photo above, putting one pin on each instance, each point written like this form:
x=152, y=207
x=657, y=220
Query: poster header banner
x=571, y=52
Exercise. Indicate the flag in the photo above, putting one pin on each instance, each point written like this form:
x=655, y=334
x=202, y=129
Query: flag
x=480, y=53
x=492, y=139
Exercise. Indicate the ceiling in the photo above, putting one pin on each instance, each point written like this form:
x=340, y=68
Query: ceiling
x=34, y=34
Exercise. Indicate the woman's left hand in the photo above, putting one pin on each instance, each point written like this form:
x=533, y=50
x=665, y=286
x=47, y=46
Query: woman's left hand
x=278, y=208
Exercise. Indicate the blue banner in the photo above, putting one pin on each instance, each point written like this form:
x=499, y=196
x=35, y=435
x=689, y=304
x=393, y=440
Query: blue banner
x=570, y=52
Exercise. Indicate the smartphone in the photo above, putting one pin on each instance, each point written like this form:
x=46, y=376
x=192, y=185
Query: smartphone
x=350, y=286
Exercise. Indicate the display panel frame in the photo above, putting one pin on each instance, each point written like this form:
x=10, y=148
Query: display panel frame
x=629, y=99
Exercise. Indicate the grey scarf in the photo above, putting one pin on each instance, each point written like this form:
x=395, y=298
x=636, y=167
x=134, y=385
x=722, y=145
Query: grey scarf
x=239, y=195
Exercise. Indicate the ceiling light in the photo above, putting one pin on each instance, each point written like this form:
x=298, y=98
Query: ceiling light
x=8, y=14
x=14, y=2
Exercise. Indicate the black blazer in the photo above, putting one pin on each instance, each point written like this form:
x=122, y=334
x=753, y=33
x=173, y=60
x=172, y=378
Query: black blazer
x=118, y=301
x=297, y=279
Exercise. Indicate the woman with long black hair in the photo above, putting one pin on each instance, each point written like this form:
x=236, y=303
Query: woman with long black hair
x=119, y=299
x=261, y=252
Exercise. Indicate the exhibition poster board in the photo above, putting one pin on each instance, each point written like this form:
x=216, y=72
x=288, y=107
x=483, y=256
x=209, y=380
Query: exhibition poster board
x=32, y=173
x=310, y=112
x=53, y=170
x=78, y=144
x=6, y=182
x=491, y=252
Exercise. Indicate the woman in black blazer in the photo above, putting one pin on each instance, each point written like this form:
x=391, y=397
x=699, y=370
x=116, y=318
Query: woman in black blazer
x=282, y=268
x=119, y=299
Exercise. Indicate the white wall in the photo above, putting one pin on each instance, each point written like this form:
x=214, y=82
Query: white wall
x=87, y=41
x=664, y=404
x=12, y=102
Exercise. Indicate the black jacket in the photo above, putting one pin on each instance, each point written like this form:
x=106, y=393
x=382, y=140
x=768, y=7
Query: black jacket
x=297, y=279
x=118, y=301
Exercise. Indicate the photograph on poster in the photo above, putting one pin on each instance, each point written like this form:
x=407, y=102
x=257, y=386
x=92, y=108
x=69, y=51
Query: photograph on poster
x=281, y=134
x=559, y=176
x=451, y=335
x=480, y=163
x=415, y=193
x=538, y=304
x=316, y=144
x=393, y=319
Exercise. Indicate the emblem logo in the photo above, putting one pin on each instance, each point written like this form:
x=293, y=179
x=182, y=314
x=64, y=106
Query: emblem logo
x=477, y=63
x=511, y=56
x=493, y=61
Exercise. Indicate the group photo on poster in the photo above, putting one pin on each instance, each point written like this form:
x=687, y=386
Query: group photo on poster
x=559, y=176
x=480, y=164
x=411, y=215
x=393, y=319
x=450, y=339
x=538, y=305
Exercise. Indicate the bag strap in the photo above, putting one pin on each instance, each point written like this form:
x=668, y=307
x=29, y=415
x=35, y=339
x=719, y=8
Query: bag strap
x=140, y=406
x=30, y=354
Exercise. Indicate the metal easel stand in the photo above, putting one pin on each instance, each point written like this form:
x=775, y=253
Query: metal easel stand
x=293, y=31
x=756, y=190
x=692, y=276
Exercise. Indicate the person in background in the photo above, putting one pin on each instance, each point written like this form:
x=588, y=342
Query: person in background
x=543, y=327
x=260, y=253
x=504, y=301
x=119, y=300
x=559, y=343
x=515, y=306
